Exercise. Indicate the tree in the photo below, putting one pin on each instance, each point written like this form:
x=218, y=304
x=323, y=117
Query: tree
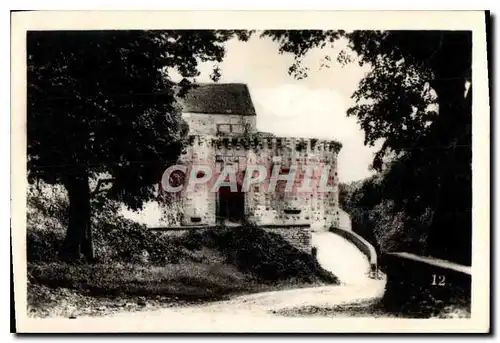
x=374, y=217
x=414, y=100
x=102, y=103
x=358, y=198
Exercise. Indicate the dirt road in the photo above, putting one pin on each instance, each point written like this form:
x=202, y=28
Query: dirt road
x=336, y=255
x=261, y=312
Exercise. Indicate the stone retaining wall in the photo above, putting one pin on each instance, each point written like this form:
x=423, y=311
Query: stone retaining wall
x=363, y=245
x=422, y=284
x=298, y=236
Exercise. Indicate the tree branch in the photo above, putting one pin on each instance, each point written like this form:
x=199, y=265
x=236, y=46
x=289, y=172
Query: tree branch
x=97, y=188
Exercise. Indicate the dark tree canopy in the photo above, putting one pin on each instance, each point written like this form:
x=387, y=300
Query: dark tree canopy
x=413, y=100
x=101, y=103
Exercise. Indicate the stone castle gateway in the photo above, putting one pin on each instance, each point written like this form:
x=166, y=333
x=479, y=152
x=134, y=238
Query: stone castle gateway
x=222, y=131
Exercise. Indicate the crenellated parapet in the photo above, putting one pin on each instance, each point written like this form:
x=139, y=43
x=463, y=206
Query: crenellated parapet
x=257, y=142
x=286, y=154
x=222, y=134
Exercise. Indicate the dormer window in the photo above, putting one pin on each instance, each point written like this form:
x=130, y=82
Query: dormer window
x=237, y=128
x=223, y=128
x=230, y=128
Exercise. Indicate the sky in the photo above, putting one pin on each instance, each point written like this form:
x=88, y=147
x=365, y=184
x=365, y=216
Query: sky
x=312, y=107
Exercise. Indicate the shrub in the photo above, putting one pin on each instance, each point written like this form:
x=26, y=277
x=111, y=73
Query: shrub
x=264, y=254
x=116, y=239
x=46, y=221
x=375, y=218
x=251, y=250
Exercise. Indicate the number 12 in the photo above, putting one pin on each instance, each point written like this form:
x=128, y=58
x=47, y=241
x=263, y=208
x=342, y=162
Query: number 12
x=438, y=280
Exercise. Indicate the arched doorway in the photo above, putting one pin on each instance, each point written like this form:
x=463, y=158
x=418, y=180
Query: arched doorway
x=230, y=205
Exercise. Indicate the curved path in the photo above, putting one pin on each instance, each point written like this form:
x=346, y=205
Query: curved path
x=341, y=257
x=257, y=312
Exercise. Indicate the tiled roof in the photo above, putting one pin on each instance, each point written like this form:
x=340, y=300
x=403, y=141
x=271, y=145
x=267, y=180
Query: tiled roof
x=218, y=98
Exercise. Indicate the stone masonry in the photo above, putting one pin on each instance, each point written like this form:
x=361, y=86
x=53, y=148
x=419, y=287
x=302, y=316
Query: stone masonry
x=222, y=124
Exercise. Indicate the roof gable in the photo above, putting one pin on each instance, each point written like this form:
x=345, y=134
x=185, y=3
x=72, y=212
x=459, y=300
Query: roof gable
x=218, y=98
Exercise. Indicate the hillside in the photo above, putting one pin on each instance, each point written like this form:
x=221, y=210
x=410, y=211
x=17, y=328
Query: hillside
x=136, y=267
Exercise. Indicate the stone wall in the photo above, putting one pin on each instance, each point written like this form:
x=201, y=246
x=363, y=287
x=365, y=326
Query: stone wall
x=297, y=206
x=424, y=285
x=299, y=236
x=219, y=140
x=363, y=245
x=199, y=203
x=210, y=124
x=344, y=220
x=263, y=205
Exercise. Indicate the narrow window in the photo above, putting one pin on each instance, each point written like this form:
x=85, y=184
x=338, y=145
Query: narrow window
x=237, y=128
x=223, y=128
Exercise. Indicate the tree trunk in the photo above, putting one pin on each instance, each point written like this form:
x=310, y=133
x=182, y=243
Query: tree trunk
x=78, y=242
x=451, y=229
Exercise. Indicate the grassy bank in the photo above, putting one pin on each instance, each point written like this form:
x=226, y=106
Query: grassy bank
x=139, y=268
x=204, y=266
x=73, y=290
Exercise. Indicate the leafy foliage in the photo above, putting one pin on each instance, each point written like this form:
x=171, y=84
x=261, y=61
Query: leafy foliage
x=251, y=250
x=396, y=100
x=414, y=101
x=101, y=103
x=264, y=254
x=116, y=239
x=376, y=219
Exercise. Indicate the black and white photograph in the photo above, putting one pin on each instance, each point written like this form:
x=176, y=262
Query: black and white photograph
x=251, y=172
